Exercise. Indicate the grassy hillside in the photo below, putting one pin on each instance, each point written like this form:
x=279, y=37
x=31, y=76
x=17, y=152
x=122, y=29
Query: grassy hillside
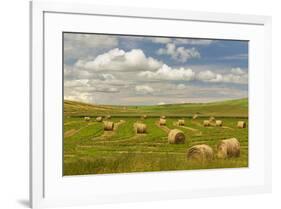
x=230, y=108
x=89, y=149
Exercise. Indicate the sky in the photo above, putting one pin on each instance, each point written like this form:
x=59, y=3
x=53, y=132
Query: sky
x=143, y=70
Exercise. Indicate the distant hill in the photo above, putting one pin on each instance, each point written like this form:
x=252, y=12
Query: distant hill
x=236, y=108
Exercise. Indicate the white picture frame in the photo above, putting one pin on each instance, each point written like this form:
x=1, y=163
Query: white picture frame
x=49, y=188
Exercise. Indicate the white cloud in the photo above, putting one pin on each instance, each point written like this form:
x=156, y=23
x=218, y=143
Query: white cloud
x=144, y=89
x=96, y=71
x=161, y=40
x=230, y=78
x=180, y=86
x=85, y=89
x=237, y=76
x=185, y=74
x=97, y=88
x=180, y=54
x=168, y=73
x=177, y=41
x=76, y=83
x=206, y=75
x=119, y=60
x=237, y=71
x=161, y=103
x=112, y=82
x=76, y=95
x=193, y=41
x=105, y=89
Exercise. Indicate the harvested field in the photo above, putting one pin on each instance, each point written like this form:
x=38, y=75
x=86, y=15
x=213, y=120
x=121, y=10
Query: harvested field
x=88, y=149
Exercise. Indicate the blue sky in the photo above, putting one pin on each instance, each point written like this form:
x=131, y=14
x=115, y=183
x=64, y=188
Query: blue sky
x=142, y=70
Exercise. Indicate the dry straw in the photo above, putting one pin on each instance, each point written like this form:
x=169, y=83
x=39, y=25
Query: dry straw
x=206, y=123
x=241, y=124
x=228, y=148
x=181, y=122
x=176, y=136
x=87, y=118
x=141, y=128
x=219, y=122
x=195, y=117
x=99, y=119
x=162, y=122
x=200, y=152
x=212, y=119
x=108, y=125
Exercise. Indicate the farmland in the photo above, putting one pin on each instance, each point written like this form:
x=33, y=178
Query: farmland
x=88, y=149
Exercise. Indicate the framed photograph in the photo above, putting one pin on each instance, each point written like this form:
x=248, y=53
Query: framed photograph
x=135, y=104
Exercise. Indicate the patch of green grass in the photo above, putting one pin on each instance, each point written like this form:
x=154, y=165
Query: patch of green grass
x=230, y=108
x=94, y=151
x=88, y=149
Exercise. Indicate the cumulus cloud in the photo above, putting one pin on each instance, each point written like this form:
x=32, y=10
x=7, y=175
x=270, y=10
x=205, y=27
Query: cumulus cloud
x=71, y=72
x=76, y=83
x=78, y=96
x=107, y=79
x=144, y=89
x=100, y=67
x=85, y=89
x=105, y=89
x=168, y=73
x=119, y=60
x=237, y=71
x=206, y=76
x=180, y=54
x=240, y=79
x=185, y=74
x=237, y=76
x=180, y=86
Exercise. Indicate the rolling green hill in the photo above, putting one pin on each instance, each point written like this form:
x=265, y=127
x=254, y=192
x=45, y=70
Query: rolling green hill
x=228, y=108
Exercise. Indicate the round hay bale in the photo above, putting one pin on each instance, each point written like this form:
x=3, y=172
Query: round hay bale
x=176, y=136
x=241, y=124
x=200, y=152
x=212, y=119
x=162, y=122
x=163, y=116
x=141, y=128
x=228, y=148
x=99, y=119
x=144, y=116
x=108, y=125
x=108, y=116
x=219, y=122
x=195, y=117
x=181, y=122
x=206, y=123
x=87, y=119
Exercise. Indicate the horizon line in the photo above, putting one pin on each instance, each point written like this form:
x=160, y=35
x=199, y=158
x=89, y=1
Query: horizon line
x=208, y=102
